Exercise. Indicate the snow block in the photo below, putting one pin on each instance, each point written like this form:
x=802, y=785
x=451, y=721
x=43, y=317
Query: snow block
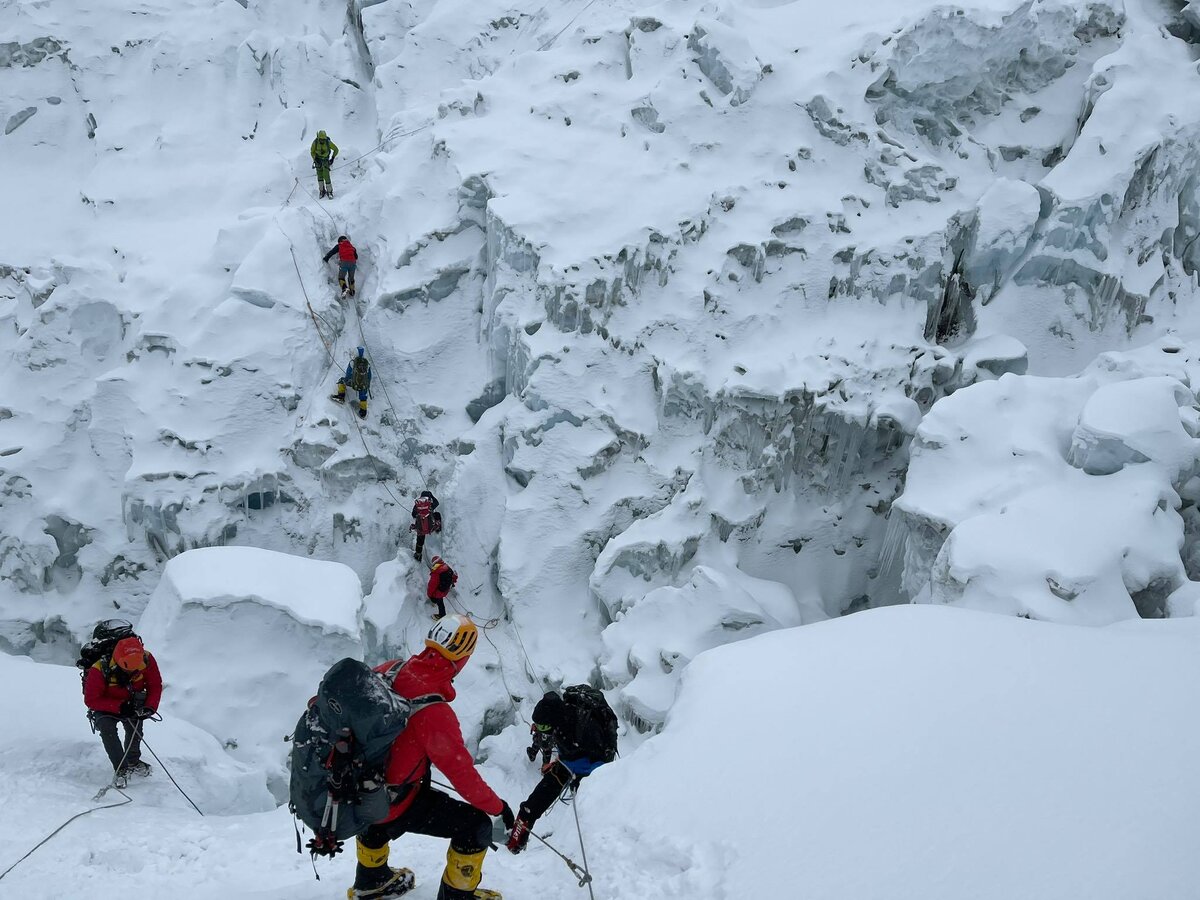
x=647, y=648
x=1135, y=422
x=727, y=58
x=243, y=637
x=1055, y=498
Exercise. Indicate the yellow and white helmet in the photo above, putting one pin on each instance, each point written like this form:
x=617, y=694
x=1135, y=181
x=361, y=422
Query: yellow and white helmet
x=453, y=636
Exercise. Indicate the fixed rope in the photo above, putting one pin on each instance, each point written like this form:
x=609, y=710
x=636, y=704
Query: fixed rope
x=580, y=872
x=111, y=786
x=388, y=138
x=167, y=772
x=548, y=44
x=78, y=815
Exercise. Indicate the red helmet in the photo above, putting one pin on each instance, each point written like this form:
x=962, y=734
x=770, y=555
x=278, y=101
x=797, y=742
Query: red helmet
x=129, y=654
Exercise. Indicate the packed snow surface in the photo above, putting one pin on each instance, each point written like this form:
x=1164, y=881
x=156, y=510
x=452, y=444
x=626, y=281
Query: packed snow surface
x=912, y=752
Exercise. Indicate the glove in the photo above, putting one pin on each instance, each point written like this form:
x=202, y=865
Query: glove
x=146, y=713
x=507, y=817
x=412, y=527
x=314, y=163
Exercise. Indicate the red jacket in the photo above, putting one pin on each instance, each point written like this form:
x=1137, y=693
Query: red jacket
x=106, y=686
x=441, y=579
x=433, y=735
x=346, y=252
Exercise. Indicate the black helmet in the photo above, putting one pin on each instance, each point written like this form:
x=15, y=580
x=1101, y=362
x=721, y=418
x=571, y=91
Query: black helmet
x=342, y=237
x=550, y=710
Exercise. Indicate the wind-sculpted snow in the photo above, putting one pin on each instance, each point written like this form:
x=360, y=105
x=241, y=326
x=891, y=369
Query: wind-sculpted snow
x=647, y=650
x=659, y=300
x=244, y=636
x=1057, y=498
x=647, y=291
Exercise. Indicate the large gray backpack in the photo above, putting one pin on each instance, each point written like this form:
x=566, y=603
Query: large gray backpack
x=340, y=752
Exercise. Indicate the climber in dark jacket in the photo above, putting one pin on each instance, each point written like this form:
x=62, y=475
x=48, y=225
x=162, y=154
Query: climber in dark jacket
x=581, y=725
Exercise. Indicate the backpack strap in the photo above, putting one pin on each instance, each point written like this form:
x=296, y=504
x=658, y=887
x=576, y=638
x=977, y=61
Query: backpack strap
x=389, y=674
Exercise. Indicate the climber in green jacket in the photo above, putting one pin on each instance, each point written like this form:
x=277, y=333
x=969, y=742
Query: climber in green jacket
x=324, y=152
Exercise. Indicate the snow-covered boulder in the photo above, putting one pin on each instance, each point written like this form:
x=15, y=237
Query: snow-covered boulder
x=1137, y=421
x=1056, y=498
x=243, y=637
x=648, y=647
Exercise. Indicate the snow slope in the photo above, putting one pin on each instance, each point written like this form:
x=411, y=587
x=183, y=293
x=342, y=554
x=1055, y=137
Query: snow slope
x=911, y=752
x=659, y=296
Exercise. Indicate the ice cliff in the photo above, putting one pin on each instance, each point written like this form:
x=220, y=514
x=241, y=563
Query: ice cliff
x=657, y=296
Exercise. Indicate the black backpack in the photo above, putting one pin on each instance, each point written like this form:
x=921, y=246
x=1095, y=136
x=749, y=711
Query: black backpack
x=340, y=752
x=595, y=722
x=104, y=638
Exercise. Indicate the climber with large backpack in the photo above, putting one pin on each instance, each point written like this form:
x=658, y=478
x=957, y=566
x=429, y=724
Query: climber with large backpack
x=581, y=725
x=442, y=579
x=347, y=256
x=425, y=520
x=121, y=687
x=358, y=378
x=361, y=766
x=324, y=151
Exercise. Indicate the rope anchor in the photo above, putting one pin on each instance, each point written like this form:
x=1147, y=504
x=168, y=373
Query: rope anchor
x=578, y=871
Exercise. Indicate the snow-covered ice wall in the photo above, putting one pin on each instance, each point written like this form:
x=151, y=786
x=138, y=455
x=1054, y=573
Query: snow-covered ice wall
x=654, y=292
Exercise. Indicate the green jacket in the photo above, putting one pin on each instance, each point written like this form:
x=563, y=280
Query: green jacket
x=323, y=149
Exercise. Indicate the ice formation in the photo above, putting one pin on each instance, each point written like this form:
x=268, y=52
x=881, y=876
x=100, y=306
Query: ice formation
x=235, y=626
x=660, y=297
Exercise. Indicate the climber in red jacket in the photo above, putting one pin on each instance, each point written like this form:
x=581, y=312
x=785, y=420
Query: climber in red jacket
x=441, y=579
x=123, y=688
x=432, y=737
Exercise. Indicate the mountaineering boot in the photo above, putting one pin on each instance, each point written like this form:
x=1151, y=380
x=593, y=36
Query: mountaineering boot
x=351, y=290
x=449, y=893
x=137, y=768
x=460, y=881
x=374, y=879
x=322, y=197
x=362, y=409
x=120, y=779
x=399, y=883
x=338, y=398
